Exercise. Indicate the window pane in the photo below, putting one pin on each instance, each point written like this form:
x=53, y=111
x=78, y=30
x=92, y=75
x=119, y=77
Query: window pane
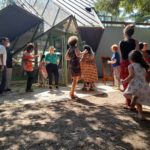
x=40, y=6
x=61, y=16
x=50, y=13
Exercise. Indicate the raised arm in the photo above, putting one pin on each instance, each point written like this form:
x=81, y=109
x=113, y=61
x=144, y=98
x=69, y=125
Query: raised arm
x=67, y=55
x=79, y=53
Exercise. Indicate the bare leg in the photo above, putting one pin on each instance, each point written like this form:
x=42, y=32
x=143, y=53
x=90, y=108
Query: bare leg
x=73, y=87
x=133, y=101
x=140, y=111
x=128, y=101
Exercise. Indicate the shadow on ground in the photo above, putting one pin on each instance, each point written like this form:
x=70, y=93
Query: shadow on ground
x=74, y=125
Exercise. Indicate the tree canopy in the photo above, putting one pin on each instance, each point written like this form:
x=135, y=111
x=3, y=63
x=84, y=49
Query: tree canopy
x=138, y=10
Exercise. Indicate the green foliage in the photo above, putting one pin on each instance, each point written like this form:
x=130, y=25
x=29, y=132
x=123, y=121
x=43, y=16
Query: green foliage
x=137, y=10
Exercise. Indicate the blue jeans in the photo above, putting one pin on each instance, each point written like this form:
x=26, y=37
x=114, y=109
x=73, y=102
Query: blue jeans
x=3, y=80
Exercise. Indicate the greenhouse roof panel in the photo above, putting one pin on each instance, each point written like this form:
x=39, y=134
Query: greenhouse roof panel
x=16, y=21
x=49, y=11
x=82, y=10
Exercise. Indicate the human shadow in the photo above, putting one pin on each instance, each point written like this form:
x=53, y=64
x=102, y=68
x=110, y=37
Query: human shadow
x=75, y=125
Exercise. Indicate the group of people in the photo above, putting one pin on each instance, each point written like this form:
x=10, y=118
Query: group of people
x=82, y=66
x=47, y=67
x=131, y=69
x=130, y=63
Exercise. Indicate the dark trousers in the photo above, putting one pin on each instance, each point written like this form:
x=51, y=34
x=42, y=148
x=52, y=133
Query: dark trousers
x=3, y=80
x=52, y=69
x=30, y=79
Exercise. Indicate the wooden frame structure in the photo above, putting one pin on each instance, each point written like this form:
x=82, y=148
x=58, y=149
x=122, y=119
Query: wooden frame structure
x=107, y=71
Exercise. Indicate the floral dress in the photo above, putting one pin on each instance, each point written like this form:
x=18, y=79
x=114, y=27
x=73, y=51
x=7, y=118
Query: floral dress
x=138, y=85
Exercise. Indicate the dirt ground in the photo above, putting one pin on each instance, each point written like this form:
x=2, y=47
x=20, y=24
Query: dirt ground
x=91, y=123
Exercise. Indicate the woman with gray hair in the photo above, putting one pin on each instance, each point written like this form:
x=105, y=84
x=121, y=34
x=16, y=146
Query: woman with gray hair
x=89, y=73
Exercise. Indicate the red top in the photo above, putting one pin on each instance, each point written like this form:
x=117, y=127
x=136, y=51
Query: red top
x=27, y=61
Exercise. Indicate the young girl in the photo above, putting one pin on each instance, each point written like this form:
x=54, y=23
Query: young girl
x=42, y=72
x=138, y=89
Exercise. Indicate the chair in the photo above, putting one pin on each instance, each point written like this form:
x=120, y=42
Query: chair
x=107, y=71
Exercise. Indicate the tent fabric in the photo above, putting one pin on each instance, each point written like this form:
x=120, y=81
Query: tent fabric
x=15, y=21
x=91, y=36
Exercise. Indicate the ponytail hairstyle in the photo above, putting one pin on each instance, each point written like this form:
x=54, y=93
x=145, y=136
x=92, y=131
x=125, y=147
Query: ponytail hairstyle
x=129, y=30
x=137, y=57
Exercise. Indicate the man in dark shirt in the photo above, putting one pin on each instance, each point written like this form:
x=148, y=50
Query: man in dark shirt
x=9, y=69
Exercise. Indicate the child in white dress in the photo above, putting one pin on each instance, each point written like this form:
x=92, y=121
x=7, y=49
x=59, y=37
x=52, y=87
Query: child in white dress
x=138, y=89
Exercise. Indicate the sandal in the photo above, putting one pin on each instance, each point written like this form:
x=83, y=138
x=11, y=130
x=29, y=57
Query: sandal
x=74, y=97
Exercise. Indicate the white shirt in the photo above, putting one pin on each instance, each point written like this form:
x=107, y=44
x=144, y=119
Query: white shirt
x=4, y=53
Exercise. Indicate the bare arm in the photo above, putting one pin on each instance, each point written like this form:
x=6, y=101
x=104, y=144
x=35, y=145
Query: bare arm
x=67, y=55
x=79, y=53
x=1, y=58
x=112, y=61
x=130, y=76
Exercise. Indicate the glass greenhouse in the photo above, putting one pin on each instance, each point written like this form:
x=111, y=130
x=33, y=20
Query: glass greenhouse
x=46, y=23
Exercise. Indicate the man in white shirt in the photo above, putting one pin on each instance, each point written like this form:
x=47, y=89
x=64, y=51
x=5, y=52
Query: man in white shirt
x=4, y=43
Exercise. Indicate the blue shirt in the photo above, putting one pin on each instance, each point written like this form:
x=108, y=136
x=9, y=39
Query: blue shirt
x=116, y=56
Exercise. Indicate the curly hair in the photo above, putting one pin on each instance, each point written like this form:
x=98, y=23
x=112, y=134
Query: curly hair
x=72, y=41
